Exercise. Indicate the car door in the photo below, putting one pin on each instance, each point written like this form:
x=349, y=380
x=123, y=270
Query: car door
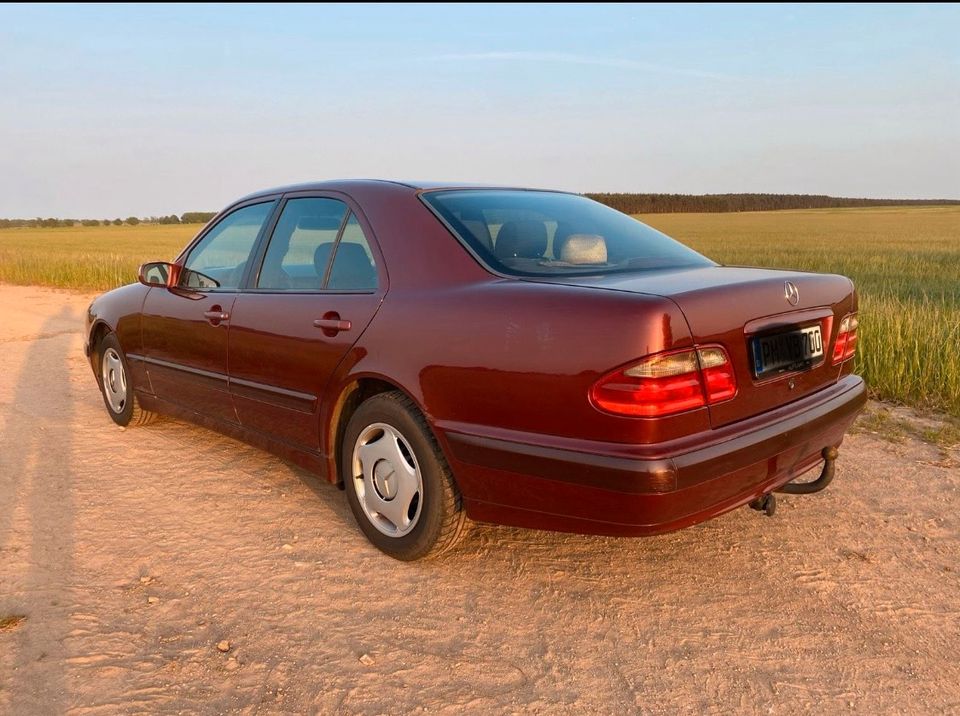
x=319, y=284
x=185, y=328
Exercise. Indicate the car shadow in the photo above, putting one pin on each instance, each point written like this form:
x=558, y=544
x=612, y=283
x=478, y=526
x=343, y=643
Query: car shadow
x=37, y=522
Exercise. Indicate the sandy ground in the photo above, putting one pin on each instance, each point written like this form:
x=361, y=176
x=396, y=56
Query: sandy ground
x=127, y=556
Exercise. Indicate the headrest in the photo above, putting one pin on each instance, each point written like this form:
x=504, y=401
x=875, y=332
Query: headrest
x=354, y=268
x=584, y=249
x=479, y=230
x=521, y=239
x=321, y=256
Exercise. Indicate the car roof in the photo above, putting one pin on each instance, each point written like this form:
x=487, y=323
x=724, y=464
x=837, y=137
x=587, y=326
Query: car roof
x=346, y=184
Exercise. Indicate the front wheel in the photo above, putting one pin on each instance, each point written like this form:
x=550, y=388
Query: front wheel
x=397, y=481
x=114, y=379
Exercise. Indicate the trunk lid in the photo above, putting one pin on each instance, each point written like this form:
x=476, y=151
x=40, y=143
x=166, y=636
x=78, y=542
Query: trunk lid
x=731, y=306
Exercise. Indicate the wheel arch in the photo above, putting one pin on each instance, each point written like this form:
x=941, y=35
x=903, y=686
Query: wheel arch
x=355, y=391
x=98, y=330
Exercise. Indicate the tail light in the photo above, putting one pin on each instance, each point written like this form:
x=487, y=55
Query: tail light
x=846, y=344
x=667, y=383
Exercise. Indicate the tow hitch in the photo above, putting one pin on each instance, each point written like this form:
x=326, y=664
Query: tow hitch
x=826, y=476
x=768, y=503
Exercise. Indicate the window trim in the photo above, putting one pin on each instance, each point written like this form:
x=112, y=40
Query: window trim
x=379, y=264
x=336, y=245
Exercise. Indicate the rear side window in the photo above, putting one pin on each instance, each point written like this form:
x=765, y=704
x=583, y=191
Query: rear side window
x=317, y=245
x=353, y=267
x=541, y=233
x=220, y=259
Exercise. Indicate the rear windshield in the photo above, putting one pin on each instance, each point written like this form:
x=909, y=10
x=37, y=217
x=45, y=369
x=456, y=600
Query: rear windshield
x=540, y=233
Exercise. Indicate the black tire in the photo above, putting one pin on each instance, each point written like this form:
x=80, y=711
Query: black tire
x=441, y=521
x=129, y=413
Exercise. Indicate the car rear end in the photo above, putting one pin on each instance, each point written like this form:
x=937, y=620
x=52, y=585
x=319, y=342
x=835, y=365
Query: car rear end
x=761, y=379
x=775, y=353
x=776, y=384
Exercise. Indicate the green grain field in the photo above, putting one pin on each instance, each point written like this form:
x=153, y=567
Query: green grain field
x=905, y=262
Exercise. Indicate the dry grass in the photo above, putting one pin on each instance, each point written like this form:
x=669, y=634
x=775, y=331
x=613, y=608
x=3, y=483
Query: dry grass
x=88, y=258
x=11, y=621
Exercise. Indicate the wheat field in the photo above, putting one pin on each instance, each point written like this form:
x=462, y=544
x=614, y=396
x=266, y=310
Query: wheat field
x=904, y=261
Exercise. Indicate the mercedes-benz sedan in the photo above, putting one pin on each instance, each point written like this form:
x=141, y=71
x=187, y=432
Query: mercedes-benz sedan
x=522, y=357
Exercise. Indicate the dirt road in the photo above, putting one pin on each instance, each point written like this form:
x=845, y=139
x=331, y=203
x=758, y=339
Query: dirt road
x=126, y=557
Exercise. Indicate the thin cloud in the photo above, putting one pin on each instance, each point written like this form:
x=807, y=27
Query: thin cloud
x=572, y=59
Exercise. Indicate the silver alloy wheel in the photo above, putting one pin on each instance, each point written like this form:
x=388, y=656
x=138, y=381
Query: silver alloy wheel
x=114, y=380
x=386, y=479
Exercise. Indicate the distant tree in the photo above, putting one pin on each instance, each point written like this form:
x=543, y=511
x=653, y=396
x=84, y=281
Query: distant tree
x=117, y=222
x=197, y=217
x=89, y=222
x=132, y=220
x=675, y=203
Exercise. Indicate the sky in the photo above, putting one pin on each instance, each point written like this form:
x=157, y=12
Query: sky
x=150, y=110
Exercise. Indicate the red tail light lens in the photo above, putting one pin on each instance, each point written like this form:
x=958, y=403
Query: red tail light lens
x=846, y=345
x=718, y=378
x=667, y=383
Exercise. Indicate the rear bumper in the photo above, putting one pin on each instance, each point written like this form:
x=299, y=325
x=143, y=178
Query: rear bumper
x=610, y=488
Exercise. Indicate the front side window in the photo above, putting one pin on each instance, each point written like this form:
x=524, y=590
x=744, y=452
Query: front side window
x=220, y=259
x=318, y=245
x=540, y=233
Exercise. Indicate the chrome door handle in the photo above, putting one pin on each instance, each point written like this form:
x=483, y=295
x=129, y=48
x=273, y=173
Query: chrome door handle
x=333, y=324
x=216, y=316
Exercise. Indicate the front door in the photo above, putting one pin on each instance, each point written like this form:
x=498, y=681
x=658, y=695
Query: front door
x=185, y=328
x=317, y=288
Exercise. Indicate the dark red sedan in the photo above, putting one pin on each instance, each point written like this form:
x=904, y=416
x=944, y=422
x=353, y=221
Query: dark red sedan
x=524, y=357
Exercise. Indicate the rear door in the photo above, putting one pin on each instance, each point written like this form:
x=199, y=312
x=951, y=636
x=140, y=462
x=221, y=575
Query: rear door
x=185, y=328
x=319, y=282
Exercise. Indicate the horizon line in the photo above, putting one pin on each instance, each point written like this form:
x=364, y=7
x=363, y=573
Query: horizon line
x=886, y=201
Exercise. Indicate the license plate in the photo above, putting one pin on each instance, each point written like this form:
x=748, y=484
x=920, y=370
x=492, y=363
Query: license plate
x=783, y=352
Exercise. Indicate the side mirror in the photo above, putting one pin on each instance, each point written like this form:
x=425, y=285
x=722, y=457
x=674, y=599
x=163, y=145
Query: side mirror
x=159, y=274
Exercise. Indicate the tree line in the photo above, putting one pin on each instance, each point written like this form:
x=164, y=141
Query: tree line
x=189, y=217
x=720, y=203
x=627, y=203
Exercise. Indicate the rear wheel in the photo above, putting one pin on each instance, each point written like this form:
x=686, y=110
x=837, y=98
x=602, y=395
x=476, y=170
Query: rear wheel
x=397, y=481
x=114, y=377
